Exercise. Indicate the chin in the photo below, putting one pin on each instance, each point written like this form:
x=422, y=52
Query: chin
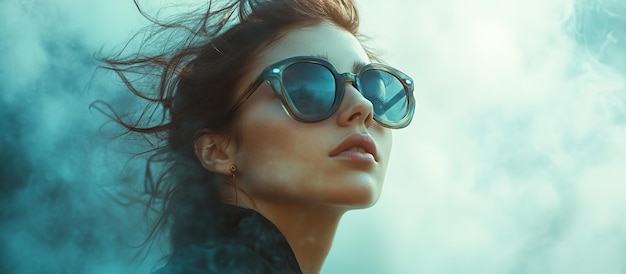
x=356, y=197
x=364, y=203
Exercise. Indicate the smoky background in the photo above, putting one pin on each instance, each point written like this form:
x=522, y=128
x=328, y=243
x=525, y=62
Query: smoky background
x=515, y=161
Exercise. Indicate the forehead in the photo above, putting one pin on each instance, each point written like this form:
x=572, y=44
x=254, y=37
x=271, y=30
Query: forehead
x=340, y=46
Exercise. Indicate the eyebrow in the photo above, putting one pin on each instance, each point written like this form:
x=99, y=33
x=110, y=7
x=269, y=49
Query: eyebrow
x=355, y=67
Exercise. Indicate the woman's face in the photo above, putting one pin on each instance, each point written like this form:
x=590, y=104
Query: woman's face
x=281, y=159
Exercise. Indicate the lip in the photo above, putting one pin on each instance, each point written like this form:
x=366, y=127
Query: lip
x=356, y=140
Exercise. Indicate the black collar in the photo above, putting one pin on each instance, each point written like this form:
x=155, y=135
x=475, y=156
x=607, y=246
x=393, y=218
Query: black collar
x=246, y=243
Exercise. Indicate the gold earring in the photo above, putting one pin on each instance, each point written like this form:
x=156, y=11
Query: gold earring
x=233, y=170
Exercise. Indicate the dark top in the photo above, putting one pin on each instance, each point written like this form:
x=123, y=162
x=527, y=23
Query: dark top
x=252, y=244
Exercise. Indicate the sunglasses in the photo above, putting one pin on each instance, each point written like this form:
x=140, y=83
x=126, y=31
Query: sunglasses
x=311, y=90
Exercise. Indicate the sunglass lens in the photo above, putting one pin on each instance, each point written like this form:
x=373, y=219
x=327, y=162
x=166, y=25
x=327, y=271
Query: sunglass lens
x=311, y=89
x=386, y=93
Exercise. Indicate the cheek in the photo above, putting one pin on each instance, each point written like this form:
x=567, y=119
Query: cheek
x=280, y=163
x=384, y=139
x=274, y=149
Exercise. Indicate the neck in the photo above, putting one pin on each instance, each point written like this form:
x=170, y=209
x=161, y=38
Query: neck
x=309, y=229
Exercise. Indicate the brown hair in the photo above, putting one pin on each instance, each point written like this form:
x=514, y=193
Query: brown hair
x=209, y=52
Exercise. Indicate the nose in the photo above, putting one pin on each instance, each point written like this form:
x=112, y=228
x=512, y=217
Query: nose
x=354, y=108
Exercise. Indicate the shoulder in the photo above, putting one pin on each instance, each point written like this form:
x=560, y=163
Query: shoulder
x=216, y=258
x=251, y=244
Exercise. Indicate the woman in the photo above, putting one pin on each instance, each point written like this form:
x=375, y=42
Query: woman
x=275, y=123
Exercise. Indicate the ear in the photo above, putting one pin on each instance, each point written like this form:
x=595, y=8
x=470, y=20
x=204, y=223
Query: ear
x=214, y=152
